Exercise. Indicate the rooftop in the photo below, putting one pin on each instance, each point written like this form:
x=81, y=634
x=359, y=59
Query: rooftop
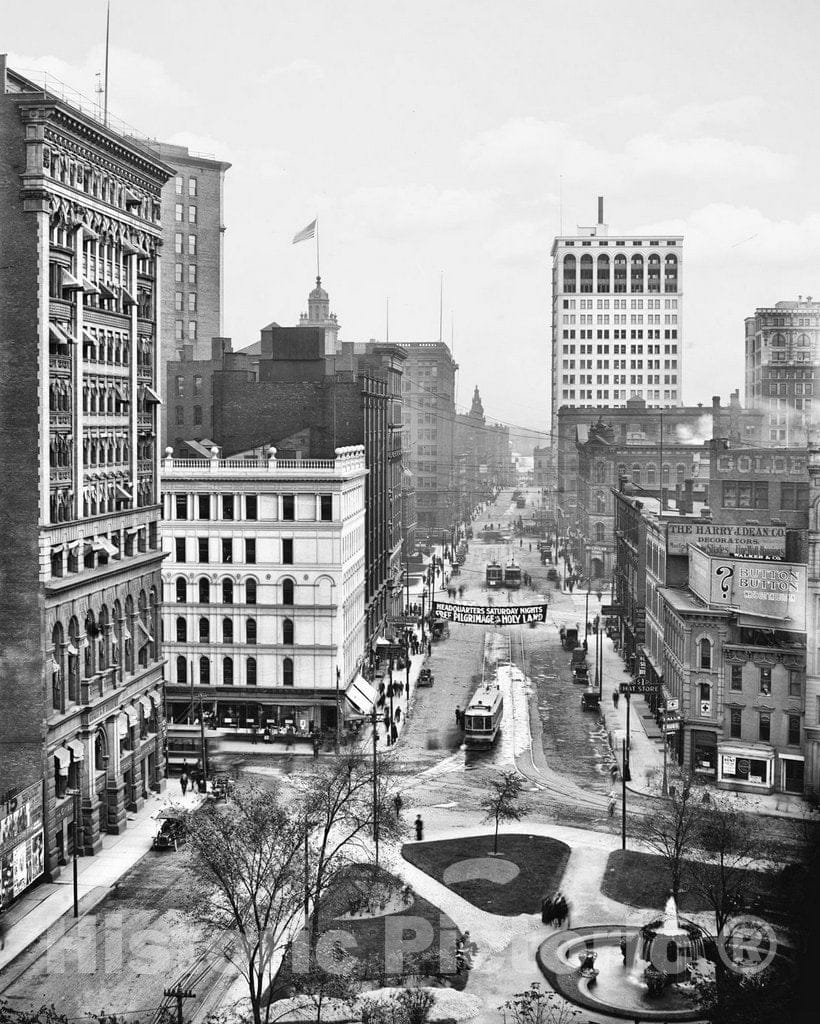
x=260, y=465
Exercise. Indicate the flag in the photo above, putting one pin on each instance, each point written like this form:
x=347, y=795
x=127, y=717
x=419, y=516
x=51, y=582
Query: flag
x=305, y=233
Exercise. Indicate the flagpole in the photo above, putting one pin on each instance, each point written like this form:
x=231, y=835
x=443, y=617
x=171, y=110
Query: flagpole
x=318, y=275
x=107, y=32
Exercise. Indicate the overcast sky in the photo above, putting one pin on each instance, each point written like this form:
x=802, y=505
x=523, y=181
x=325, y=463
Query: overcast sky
x=430, y=136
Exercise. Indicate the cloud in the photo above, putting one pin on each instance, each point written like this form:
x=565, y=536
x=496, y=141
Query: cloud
x=300, y=67
x=705, y=158
x=389, y=210
x=694, y=117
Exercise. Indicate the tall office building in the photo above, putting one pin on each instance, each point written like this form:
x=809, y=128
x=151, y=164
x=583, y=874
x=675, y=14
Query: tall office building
x=617, y=319
x=80, y=663
x=782, y=351
x=192, y=273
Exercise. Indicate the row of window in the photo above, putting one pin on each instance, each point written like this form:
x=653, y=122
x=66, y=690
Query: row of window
x=179, y=213
x=226, y=546
x=227, y=667
x=228, y=591
x=231, y=507
x=228, y=635
x=764, y=678
x=620, y=303
x=179, y=244
x=764, y=726
x=620, y=334
x=755, y=494
x=621, y=350
x=618, y=395
x=179, y=186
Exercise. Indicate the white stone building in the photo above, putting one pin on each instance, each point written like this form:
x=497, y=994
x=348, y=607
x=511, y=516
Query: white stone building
x=264, y=590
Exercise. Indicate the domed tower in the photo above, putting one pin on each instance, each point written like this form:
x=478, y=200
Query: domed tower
x=477, y=408
x=319, y=315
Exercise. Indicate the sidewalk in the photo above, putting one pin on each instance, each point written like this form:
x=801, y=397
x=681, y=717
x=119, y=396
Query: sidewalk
x=45, y=904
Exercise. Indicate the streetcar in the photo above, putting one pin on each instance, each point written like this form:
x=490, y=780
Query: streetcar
x=512, y=575
x=482, y=719
x=494, y=575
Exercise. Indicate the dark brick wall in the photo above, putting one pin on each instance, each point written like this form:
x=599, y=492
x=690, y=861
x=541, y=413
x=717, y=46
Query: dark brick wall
x=21, y=609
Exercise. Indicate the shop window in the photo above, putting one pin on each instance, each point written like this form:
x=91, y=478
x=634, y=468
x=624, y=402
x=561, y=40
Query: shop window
x=287, y=671
x=735, y=722
x=764, y=731
x=765, y=680
x=705, y=651
x=794, y=731
x=204, y=630
x=737, y=677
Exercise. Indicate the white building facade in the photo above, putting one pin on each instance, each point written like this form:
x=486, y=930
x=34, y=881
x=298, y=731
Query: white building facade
x=617, y=319
x=264, y=581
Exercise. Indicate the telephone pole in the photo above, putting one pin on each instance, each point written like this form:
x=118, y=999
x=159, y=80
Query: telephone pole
x=179, y=993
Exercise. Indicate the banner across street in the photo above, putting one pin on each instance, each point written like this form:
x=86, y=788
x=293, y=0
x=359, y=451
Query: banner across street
x=487, y=615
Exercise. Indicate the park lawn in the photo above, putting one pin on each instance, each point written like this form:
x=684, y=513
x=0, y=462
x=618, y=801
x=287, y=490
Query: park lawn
x=540, y=861
x=642, y=880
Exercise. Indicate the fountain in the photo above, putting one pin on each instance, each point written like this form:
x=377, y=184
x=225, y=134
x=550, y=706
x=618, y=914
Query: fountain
x=628, y=971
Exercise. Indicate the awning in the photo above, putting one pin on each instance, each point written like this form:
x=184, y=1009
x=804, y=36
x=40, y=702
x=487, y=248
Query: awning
x=89, y=287
x=63, y=759
x=131, y=714
x=122, y=492
x=383, y=642
x=59, y=335
x=144, y=631
x=107, y=292
x=104, y=544
x=77, y=749
x=361, y=695
x=89, y=337
x=761, y=753
x=130, y=249
x=68, y=282
x=128, y=298
x=90, y=232
x=155, y=697
x=122, y=725
x=71, y=648
x=151, y=395
x=145, y=703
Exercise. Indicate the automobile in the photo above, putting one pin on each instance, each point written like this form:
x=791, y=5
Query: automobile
x=570, y=638
x=552, y=575
x=221, y=787
x=425, y=677
x=171, y=834
x=590, y=701
x=440, y=629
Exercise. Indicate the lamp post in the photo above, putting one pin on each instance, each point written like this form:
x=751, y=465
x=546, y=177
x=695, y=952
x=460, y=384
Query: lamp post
x=586, y=613
x=75, y=842
x=374, y=722
x=338, y=712
x=664, y=784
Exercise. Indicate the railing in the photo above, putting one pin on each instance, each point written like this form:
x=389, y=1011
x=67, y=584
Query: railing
x=346, y=459
x=60, y=364
x=59, y=419
x=59, y=477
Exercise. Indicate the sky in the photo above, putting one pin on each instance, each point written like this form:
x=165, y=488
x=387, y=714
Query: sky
x=457, y=137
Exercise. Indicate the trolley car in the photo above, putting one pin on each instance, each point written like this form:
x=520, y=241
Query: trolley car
x=512, y=576
x=482, y=719
x=494, y=575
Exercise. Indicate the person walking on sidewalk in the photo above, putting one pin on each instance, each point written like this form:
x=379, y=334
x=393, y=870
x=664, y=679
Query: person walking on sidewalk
x=429, y=649
x=610, y=807
x=419, y=828
x=183, y=783
x=615, y=697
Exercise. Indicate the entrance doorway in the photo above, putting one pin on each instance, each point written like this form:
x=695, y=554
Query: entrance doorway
x=793, y=774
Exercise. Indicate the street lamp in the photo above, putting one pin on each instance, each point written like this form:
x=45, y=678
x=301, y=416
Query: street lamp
x=75, y=794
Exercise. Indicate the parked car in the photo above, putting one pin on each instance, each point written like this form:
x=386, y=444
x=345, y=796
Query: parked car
x=171, y=834
x=425, y=677
x=590, y=701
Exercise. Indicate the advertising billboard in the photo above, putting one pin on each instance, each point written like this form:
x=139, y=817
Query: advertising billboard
x=774, y=591
x=21, y=842
x=490, y=615
x=741, y=541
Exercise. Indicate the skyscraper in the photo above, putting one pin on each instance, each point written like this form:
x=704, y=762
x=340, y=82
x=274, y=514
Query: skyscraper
x=617, y=319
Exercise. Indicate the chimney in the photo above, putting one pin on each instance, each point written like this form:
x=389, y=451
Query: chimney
x=600, y=209
x=717, y=425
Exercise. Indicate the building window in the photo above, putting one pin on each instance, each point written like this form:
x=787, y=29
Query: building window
x=177, y=273
x=191, y=245
x=204, y=590
x=737, y=677
x=250, y=550
x=182, y=670
x=178, y=181
x=181, y=506
x=197, y=385
x=287, y=551
x=191, y=274
x=179, y=549
x=197, y=415
x=178, y=211
x=203, y=544
x=735, y=722
x=227, y=550
x=251, y=506
x=182, y=630
x=250, y=631
x=191, y=187
x=181, y=589
x=745, y=494
x=287, y=591
x=179, y=330
x=192, y=215
x=204, y=506
x=288, y=507
x=795, y=684
x=764, y=730
x=227, y=631
x=794, y=497
x=204, y=630
x=250, y=591
x=178, y=243
x=287, y=672
x=180, y=384
x=204, y=671
x=705, y=651
x=227, y=591
x=191, y=302
x=192, y=330
x=765, y=680
x=287, y=632
x=794, y=731
x=180, y=415
x=250, y=672
x=326, y=507
x=227, y=506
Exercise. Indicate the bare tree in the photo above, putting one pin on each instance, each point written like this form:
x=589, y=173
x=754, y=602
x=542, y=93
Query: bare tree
x=671, y=828
x=501, y=803
x=247, y=883
x=535, y=1006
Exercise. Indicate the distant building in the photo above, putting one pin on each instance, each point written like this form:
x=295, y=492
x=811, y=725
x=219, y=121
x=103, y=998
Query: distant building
x=193, y=264
x=429, y=395
x=812, y=701
x=617, y=319
x=264, y=592
x=542, y=476
x=482, y=456
x=782, y=353
x=81, y=667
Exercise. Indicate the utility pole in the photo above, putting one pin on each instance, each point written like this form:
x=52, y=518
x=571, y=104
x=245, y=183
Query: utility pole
x=623, y=794
x=75, y=840
x=338, y=712
x=179, y=993
x=390, y=730
x=375, y=788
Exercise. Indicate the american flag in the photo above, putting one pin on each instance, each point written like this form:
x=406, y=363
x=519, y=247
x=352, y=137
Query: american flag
x=305, y=233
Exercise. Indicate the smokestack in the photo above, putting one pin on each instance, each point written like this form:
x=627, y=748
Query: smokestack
x=600, y=209
x=717, y=428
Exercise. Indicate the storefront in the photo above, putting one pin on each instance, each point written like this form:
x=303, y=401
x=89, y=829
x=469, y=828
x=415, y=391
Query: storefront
x=747, y=768
x=704, y=754
x=792, y=773
x=21, y=842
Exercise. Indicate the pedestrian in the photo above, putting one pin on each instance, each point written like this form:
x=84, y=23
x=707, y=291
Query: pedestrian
x=419, y=828
x=610, y=807
x=563, y=910
x=183, y=783
x=2, y=930
x=530, y=547
x=615, y=697
x=458, y=715
x=521, y=543
x=613, y=771
x=387, y=720
x=429, y=649
x=547, y=910
x=316, y=744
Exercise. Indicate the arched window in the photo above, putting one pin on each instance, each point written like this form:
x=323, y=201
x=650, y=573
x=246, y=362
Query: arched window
x=227, y=591
x=89, y=645
x=778, y=341
x=637, y=273
x=227, y=631
x=653, y=273
x=603, y=273
x=182, y=589
x=204, y=671
x=670, y=273
x=57, y=692
x=287, y=672
x=680, y=471
x=600, y=502
x=227, y=671
x=665, y=475
x=250, y=591
x=569, y=273
x=287, y=591
x=73, y=649
x=250, y=631
x=636, y=474
x=600, y=533
x=651, y=474
x=600, y=472
x=130, y=626
x=586, y=273
x=100, y=750
x=705, y=649
x=250, y=672
x=204, y=590
x=619, y=273
x=182, y=670
x=705, y=691
x=204, y=630
x=287, y=632
x=182, y=630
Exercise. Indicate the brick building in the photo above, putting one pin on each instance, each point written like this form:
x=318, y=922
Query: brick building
x=80, y=659
x=483, y=458
x=812, y=702
x=193, y=268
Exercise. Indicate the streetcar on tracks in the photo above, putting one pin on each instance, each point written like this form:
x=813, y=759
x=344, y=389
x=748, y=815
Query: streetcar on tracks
x=494, y=575
x=482, y=719
x=512, y=575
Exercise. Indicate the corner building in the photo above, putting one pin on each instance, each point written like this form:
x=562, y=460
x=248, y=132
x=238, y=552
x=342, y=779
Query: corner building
x=80, y=659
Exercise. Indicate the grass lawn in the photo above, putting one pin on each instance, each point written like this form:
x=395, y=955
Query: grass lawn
x=526, y=869
x=642, y=880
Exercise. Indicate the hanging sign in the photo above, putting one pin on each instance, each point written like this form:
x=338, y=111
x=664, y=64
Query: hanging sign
x=490, y=615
